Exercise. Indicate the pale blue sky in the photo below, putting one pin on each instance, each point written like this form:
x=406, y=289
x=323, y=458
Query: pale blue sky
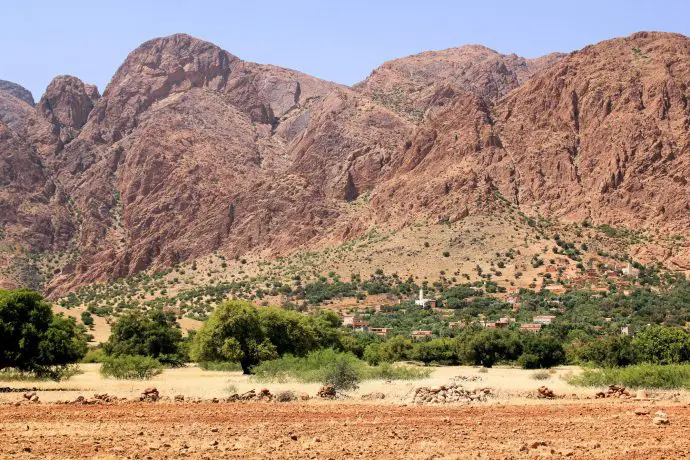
x=340, y=41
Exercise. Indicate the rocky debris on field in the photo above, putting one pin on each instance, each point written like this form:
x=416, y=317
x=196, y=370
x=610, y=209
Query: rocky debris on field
x=179, y=398
x=467, y=378
x=373, y=396
x=660, y=418
x=17, y=390
x=251, y=395
x=286, y=396
x=31, y=396
x=450, y=394
x=327, y=392
x=544, y=392
x=641, y=411
x=150, y=395
x=615, y=391
x=304, y=396
x=106, y=398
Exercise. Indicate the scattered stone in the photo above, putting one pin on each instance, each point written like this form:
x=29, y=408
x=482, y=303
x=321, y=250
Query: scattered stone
x=373, y=396
x=29, y=395
x=304, y=396
x=179, y=398
x=641, y=411
x=660, y=418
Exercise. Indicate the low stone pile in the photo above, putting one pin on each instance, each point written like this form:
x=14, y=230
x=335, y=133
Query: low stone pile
x=104, y=398
x=150, y=395
x=327, y=392
x=614, y=391
x=450, y=394
x=252, y=395
x=545, y=393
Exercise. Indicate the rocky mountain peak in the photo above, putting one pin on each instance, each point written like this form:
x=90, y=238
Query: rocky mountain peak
x=67, y=103
x=17, y=91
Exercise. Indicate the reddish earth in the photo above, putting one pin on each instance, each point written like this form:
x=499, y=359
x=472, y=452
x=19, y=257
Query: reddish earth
x=341, y=430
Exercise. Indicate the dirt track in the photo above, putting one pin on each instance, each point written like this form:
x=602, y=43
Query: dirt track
x=341, y=430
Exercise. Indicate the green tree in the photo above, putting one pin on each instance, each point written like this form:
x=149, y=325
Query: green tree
x=233, y=333
x=151, y=333
x=541, y=351
x=33, y=339
x=609, y=351
x=662, y=345
x=288, y=331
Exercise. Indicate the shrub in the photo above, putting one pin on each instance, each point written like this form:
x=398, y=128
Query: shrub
x=131, y=367
x=638, y=376
x=322, y=365
x=220, y=366
x=541, y=375
x=342, y=375
x=94, y=355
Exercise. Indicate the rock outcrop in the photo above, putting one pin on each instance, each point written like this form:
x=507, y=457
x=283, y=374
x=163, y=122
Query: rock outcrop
x=66, y=105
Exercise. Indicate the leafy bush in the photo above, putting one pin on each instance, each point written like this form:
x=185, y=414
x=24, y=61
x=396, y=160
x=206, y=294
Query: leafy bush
x=343, y=375
x=638, y=376
x=131, y=367
x=94, y=355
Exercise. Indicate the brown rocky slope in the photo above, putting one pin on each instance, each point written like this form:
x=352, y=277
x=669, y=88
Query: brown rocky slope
x=191, y=150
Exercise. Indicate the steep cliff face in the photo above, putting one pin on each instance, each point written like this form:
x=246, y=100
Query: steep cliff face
x=33, y=213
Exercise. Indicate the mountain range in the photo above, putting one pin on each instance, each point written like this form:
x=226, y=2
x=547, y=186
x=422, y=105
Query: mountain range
x=191, y=151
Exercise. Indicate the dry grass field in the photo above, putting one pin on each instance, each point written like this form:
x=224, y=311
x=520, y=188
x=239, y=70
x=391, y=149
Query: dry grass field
x=509, y=384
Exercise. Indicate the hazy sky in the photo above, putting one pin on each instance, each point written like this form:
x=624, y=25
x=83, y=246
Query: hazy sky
x=340, y=41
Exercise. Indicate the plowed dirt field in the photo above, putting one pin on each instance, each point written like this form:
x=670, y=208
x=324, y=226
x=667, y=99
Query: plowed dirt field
x=336, y=430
